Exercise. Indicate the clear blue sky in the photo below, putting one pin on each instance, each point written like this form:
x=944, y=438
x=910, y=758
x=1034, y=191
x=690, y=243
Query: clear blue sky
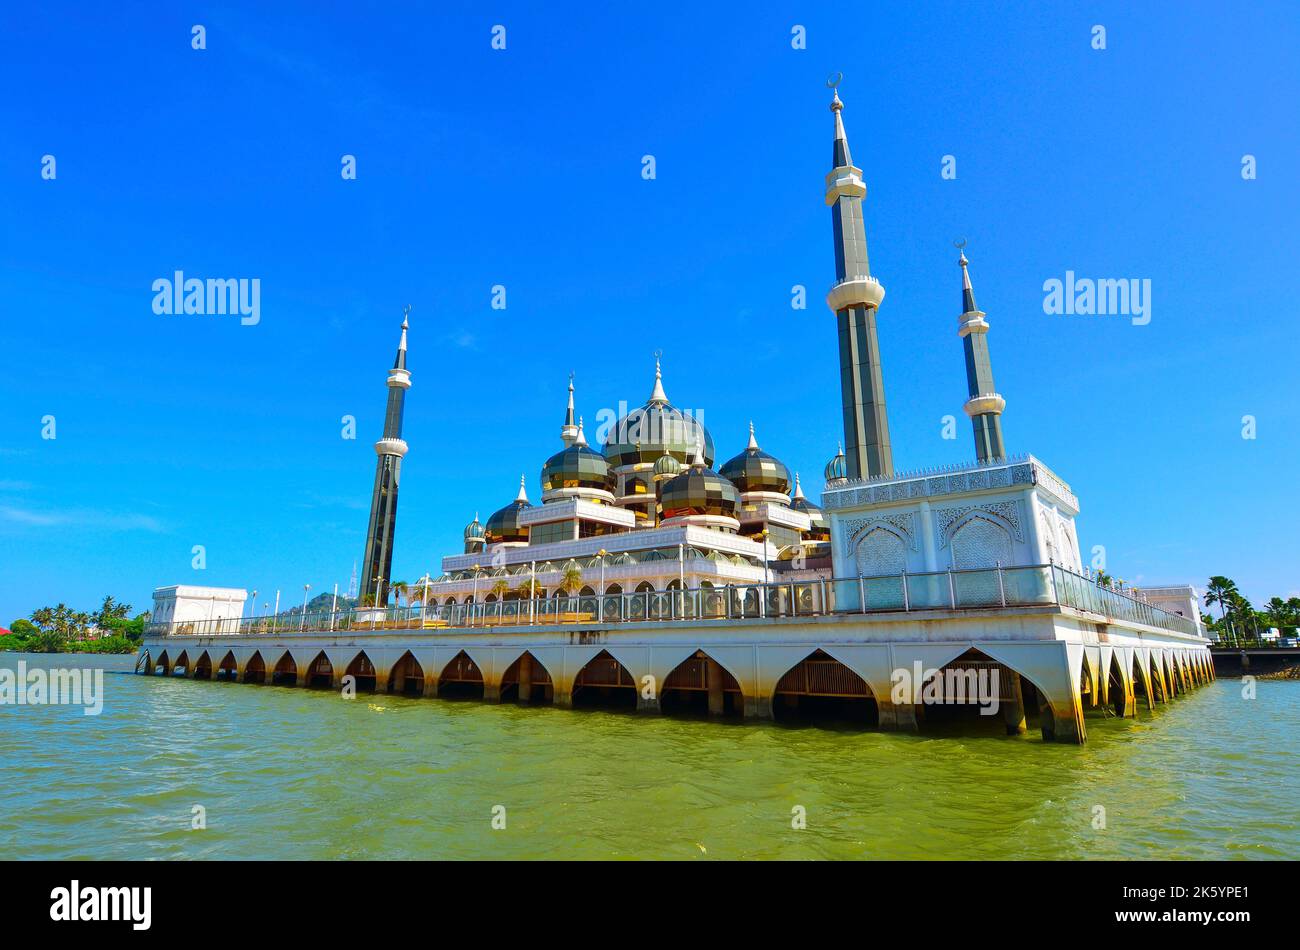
x=523, y=168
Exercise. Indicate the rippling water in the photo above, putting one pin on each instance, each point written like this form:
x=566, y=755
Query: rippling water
x=291, y=773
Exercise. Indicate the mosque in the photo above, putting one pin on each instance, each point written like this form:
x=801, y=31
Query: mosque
x=648, y=571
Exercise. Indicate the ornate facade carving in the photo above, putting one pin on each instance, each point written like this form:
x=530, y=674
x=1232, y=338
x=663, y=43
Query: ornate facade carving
x=945, y=518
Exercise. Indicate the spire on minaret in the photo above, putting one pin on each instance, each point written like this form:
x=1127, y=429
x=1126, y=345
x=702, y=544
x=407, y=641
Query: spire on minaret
x=569, y=431
x=984, y=405
x=855, y=299
x=523, y=490
x=699, y=463
x=582, y=437
x=658, y=397
x=753, y=442
x=798, y=489
x=400, y=362
x=390, y=449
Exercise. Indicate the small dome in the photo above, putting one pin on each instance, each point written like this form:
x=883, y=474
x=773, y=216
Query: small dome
x=667, y=465
x=699, y=491
x=504, y=524
x=821, y=526
x=837, y=468
x=755, y=470
x=474, y=529
x=577, y=467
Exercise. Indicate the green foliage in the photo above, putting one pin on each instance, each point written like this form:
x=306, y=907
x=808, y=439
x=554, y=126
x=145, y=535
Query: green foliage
x=60, y=629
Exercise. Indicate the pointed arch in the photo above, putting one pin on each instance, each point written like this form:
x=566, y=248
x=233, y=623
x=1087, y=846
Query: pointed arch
x=407, y=676
x=820, y=687
x=461, y=678
x=980, y=539
x=1116, y=691
x=527, y=680
x=320, y=672
x=182, y=664
x=1142, y=688
x=228, y=669
x=604, y=682
x=203, y=667
x=163, y=665
x=879, y=548
x=286, y=671
x=701, y=684
x=363, y=673
x=255, y=668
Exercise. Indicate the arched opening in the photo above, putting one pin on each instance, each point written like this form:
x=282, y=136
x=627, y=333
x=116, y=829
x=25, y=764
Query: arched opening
x=203, y=667
x=229, y=669
x=163, y=666
x=974, y=694
x=320, y=674
x=604, y=683
x=612, y=604
x=1115, y=687
x=821, y=689
x=363, y=671
x=285, y=672
x=407, y=676
x=461, y=679
x=1141, y=685
x=700, y=685
x=1157, y=682
x=182, y=663
x=255, y=669
x=527, y=681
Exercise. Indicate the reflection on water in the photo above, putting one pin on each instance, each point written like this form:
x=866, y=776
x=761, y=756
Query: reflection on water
x=288, y=773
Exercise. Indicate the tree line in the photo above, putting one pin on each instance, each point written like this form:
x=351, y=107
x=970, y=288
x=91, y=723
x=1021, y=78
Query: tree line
x=1239, y=621
x=61, y=629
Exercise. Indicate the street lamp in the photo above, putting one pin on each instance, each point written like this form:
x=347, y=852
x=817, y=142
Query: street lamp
x=473, y=599
x=302, y=621
x=762, y=604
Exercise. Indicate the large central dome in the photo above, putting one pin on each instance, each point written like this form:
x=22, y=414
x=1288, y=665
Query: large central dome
x=656, y=429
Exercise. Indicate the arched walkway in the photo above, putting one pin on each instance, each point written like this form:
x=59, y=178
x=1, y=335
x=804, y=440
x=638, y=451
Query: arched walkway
x=286, y=671
x=604, y=683
x=407, y=676
x=700, y=685
x=527, y=681
x=461, y=679
x=822, y=689
x=976, y=694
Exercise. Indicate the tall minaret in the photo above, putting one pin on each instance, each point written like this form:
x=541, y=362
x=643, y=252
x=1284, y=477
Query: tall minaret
x=984, y=405
x=569, y=431
x=377, y=571
x=854, y=299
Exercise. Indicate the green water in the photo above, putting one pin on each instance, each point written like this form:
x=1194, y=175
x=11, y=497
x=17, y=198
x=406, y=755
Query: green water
x=290, y=773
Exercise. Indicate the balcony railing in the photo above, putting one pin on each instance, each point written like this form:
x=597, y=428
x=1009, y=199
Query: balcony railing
x=1036, y=585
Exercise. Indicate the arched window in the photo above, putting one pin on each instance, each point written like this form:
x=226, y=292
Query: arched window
x=881, y=551
x=980, y=542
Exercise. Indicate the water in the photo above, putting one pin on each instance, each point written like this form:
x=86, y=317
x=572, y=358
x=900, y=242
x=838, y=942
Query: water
x=291, y=773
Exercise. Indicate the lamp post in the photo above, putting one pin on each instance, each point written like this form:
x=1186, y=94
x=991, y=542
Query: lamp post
x=252, y=608
x=302, y=620
x=532, y=591
x=334, y=604
x=473, y=599
x=276, y=621
x=762, y=604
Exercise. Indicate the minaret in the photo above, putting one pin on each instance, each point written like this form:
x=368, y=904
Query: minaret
x=854, y=300
x=377, y=571
x=984, y=405
x=569, y=431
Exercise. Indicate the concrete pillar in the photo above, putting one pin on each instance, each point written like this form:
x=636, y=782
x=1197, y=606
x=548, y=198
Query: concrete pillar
x=491, y=692
x=563, y=699
x=431, y=687
x=647, y=705
x=903, y=717
x=1013, y=709
x=713, y=676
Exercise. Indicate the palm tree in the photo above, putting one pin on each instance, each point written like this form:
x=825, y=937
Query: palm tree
x=529, y=589
x=571, y=580
x=1280, y=614
x=500, y=588
x=400, y=589
x=1219, y=591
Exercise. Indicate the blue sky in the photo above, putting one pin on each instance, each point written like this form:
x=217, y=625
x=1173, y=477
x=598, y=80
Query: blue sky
x=522, y=167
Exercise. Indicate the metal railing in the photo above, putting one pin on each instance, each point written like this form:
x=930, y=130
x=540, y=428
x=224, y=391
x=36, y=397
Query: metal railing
x=985, y=588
